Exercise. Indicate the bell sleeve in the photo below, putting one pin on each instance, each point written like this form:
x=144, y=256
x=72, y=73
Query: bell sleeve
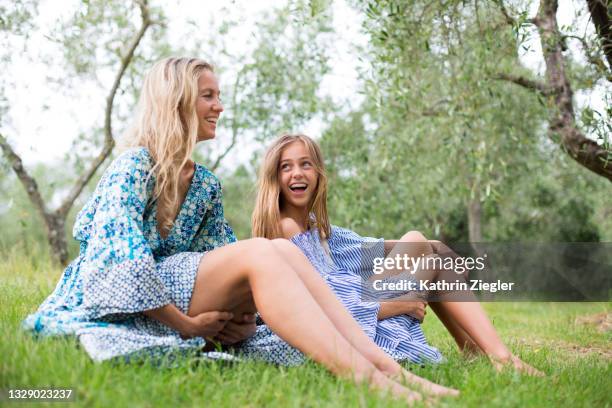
x=118, y=268
x=214, y=231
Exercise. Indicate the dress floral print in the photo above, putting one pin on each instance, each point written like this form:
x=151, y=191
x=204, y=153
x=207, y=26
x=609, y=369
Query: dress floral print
x=125, y=267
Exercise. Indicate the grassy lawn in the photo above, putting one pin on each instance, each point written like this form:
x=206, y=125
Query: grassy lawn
x=561, y=339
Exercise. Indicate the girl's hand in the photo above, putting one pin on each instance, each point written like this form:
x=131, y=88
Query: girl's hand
x=416, y=310
x=412, y=308
x=207, y=324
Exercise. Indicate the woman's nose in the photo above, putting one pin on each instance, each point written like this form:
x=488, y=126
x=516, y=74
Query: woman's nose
x=218, y=106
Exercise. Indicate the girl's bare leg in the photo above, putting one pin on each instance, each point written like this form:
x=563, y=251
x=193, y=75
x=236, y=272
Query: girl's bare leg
x=229, y=276
x=463, y=340
x=467, y=321
x=346, y=325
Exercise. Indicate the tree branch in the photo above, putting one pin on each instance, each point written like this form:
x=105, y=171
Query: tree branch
x=109, y=142
x=562, y=122
x=600, y=14
x=434, y=109
x=585, y=151
x=525, y=83
x=511, y=20
x=593, y=60
x=28, y=182
x=504, y=11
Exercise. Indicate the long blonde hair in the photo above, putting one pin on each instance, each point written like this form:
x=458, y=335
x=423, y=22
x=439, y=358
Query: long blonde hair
x=266, y=218
x=167, y=125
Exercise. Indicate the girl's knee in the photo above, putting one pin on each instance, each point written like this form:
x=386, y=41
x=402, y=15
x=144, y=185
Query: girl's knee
x=415, y=242
x=413, y=236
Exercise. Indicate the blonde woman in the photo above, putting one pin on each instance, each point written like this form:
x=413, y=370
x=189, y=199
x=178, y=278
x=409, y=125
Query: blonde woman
x=159, y=269
x=292, y=203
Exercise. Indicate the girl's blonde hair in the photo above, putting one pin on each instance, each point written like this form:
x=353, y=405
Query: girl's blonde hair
x=266, y=216
x=167, y=125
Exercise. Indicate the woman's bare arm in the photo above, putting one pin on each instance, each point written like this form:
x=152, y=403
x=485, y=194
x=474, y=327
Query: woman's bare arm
x=207, y=324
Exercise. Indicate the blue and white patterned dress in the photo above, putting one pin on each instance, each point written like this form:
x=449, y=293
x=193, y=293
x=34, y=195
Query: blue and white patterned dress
x=125, y=267
x=400, y=336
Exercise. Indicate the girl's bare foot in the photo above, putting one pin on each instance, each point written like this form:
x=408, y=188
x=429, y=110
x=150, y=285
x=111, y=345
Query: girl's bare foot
x=397, y=373
x=427, y=386
x=381, y=382
x=516, y=363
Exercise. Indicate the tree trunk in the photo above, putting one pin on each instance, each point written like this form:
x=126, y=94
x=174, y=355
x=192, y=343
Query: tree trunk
x=562, y=125
x=600, y=14
x=474, y=220
x=55, y=221
x=56, y=235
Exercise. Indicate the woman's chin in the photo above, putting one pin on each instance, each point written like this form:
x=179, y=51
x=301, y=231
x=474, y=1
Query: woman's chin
x=203, y=138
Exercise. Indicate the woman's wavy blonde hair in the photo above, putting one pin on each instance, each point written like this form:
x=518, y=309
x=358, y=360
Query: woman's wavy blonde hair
x=265, y=221
x=167, y=125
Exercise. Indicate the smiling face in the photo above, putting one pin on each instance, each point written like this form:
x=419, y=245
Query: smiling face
x=298, y=177
x=208, y=105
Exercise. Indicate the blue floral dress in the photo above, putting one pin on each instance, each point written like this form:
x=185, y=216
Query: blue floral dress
x=343, y=269
x=125, y=267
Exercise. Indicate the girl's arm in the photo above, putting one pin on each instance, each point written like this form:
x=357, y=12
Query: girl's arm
x=207, y=324
x=390, y=309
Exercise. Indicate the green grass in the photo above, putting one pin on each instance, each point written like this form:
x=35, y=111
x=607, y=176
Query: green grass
x=575, y=356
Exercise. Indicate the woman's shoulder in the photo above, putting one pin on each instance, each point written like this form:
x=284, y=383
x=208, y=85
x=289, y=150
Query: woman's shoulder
x=208, y=177
x=133, y=158
x=131, y=165
x=130, y=170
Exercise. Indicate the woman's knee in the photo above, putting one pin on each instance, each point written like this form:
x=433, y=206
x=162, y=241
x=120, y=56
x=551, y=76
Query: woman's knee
x=243, y=254
x=269, y=251
x=256, y=247
x=285, y=246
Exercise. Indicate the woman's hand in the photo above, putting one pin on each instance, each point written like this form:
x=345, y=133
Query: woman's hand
x=237, y=330
x=207, y=324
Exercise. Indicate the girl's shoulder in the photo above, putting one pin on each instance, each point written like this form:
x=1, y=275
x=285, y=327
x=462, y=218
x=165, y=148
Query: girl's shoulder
x=289, y=227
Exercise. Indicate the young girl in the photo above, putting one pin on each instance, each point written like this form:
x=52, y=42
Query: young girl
x=291, y=203
x=159, y=269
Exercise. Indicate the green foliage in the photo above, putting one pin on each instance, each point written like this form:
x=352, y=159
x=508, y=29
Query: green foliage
x=17, y=16
x=239, y=200
x=435, y=132
x=272, y=88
